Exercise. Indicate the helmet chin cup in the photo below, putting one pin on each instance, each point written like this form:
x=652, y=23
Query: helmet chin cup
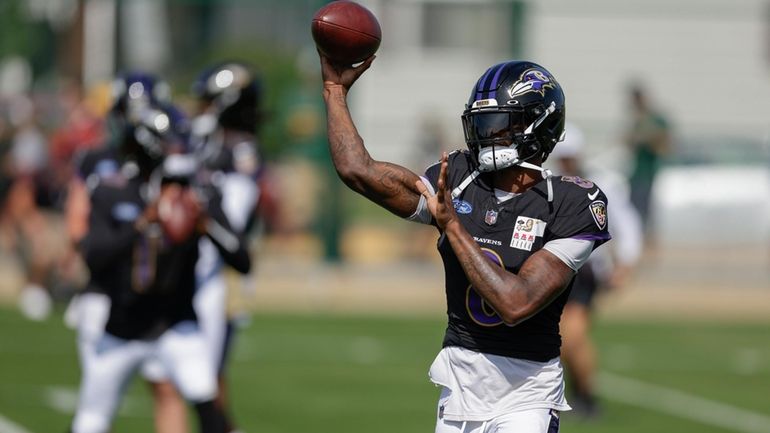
x=494, y=158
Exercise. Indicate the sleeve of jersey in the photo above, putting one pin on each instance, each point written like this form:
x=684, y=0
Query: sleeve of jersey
x=430, y=180
x=580, y=226
x=422, y=214
x=240, y=195
x=229, y=243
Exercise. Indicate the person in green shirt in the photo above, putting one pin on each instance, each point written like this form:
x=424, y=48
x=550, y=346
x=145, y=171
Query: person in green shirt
x=649, y=140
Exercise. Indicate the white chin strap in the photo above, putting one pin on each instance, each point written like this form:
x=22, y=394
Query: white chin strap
x=547, y=174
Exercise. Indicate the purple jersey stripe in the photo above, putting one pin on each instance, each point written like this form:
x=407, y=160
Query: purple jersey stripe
x=593, y=237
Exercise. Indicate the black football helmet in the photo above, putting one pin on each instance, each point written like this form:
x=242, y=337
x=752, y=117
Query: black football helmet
x=515, y=114
x=233, y=94
x=132, y=94
x=157, y=131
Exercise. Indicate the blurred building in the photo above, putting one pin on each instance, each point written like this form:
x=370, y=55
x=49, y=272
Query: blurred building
x=706, y=63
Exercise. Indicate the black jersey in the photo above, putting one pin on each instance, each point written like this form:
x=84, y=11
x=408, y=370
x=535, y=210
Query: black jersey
x=92, y=166
x=508, y=233
x=150, y=281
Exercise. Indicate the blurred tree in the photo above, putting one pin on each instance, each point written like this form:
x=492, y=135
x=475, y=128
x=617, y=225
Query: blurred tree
x=25, y=34
x=271, y=37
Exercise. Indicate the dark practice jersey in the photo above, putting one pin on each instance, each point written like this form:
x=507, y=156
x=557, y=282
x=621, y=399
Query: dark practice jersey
x=92, y=166
x=508, y=233
x=149, y=280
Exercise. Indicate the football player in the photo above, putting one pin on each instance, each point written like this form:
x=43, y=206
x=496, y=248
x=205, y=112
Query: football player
x=224, y=142
x=649, y=139
x=87, y=311
x=133, y=93
x=606, y=269
x=149, y=278
x=511, y=237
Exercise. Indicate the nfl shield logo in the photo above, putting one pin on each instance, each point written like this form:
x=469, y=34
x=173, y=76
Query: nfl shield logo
x=491, y=217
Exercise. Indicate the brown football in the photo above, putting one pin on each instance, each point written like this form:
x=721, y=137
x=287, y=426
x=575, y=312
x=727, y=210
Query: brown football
x=178, y=212
x=346, y=32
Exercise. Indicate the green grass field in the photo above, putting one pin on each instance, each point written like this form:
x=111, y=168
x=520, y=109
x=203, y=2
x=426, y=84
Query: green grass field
x=322, y=373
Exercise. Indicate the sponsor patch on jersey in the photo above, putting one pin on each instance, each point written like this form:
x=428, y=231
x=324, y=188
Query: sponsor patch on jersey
x=526, y=231
x=126, y=211
x=599, y=212
x=462, y=206
x=579, y=181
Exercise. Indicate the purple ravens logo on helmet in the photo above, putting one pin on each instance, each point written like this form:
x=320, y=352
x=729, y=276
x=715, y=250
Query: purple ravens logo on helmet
x=532, y=80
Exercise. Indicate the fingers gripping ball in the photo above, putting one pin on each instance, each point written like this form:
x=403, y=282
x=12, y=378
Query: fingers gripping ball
x=346, y=32
x=178, y=212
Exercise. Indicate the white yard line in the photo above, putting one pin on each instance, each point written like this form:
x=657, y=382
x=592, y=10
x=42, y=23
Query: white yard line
x=8, y=426
x=681, y=404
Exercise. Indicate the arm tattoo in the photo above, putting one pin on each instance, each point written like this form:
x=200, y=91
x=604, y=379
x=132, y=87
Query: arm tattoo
x=389, y=185
x=393, y=188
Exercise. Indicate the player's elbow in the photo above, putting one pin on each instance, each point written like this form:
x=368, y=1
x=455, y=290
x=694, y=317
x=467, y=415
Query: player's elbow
x=511, y=318
x=243, y=267
x=512, y=315
x=354, y=176
x=240, y=261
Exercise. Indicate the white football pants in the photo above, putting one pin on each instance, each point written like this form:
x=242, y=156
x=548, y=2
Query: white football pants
x=525, y=421
x=182, y=352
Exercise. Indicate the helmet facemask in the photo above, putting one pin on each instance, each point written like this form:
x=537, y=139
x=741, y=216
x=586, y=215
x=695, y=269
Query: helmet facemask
x=499, y=138
x=154, y=135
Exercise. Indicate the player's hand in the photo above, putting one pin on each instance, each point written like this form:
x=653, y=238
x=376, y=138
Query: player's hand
x=342, y=75
x=201, y=209
x=148, y=216
x=440, y=205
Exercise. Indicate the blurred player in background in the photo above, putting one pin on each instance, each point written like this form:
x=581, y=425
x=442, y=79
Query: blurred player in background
x=224, y=142
x=148, y=275
x=649, y=140
x=511, y=239
x=229, y=94
x=133, y=94
x=606, y=269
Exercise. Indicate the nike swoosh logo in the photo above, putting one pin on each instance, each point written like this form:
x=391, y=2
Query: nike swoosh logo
x=594, y=195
